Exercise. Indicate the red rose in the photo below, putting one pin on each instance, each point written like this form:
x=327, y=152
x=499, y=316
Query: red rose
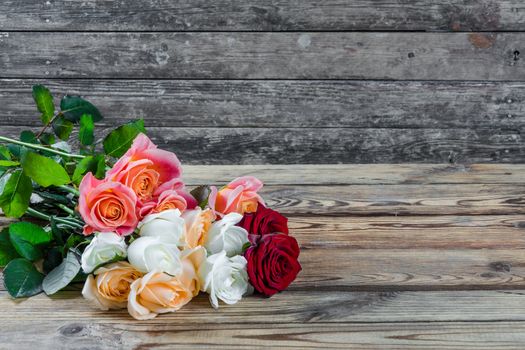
x=264, y=221
x=272, y=263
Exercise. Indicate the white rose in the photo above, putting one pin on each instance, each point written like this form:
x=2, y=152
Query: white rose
x=150, y=253
x=104, y=247
x=224, y=278
x=167, y=225
x=224, y=235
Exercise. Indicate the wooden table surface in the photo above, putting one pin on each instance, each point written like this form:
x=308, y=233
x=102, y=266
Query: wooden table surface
x=394, y=256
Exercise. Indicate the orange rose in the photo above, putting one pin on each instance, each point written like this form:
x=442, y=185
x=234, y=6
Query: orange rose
x=107, y=206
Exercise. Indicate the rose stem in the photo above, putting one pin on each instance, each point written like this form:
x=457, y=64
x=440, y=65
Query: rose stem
x=42, y=148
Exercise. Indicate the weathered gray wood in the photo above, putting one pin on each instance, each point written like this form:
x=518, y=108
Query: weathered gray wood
x=332, y=145
x=340, y=55
x=359, y=104
x=262, y=15
x=358, y=174
x=303, y=307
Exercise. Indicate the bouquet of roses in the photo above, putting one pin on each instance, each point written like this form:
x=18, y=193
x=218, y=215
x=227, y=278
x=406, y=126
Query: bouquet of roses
x=118, y=216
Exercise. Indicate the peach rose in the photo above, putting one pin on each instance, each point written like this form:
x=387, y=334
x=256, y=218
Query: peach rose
x=167, y=200
x=107, y=206
x=144, y=168
x=110, y=286
x=192, y=259
x=239, y=196
x=158, y=292
x=198, y=223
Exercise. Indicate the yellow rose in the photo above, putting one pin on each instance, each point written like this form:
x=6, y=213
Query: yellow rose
x=198, y=223
x=110, y=285
x=158, y=292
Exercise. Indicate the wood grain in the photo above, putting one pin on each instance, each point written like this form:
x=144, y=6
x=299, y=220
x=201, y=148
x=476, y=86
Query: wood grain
x=311, y=55
x=157, y=334
x=293, y=307
x=337, y=104
x=328, y=145
x=358, y=174
x=186, y=15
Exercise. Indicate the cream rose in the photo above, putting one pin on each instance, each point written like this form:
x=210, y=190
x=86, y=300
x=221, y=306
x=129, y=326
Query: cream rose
x=157, y=293
x=109, y=287
x=224, y=235
x=224, y=278
x=198, y=223
x=104, y=247
x=168, y=226
x=151, y=254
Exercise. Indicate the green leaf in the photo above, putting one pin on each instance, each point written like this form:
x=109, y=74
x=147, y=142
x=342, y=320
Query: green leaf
x=21, y=278
x=85, y=134
x=62, y=275
x=119, y=140
x=62, y=127
x=94, y=164
x=44, y=102
x=73, y=107
x=52, y=259
x=28, y=137
x=26, y=239
x=8, y=163
x=14, y=199
x=56, y=231
x=44, y=171
x=47, y=138
x=201, y=194
x=4, y=153
x=246, y=246
x=7, y=251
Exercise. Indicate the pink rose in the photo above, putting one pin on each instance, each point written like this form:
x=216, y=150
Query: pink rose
x=144, y=168
x=170, y=195
x=107, y=206
x=239, y=196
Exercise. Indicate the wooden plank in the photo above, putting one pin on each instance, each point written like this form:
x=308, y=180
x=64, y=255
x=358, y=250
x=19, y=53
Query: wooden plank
x=219, y=103
x=358, y=174
x=293, y=307
x=331, y=145
x=158, y=334
x=412, y=253
x=225, y=15
x=411, y=233
x=313, y=55
x=394, y=200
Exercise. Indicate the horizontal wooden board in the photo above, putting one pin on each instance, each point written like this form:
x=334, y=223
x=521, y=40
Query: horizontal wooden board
x=255, y=15
x=329, y=145
x=338, y=104
x=411, y=233
x=410, y=253
x=394, y=200
x=358, y=174
x=315, y=306
x=308, y=55
x=158, y=334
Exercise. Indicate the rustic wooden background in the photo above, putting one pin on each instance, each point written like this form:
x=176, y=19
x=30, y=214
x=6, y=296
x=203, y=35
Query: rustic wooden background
x=394, y=256
x=282, y=81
